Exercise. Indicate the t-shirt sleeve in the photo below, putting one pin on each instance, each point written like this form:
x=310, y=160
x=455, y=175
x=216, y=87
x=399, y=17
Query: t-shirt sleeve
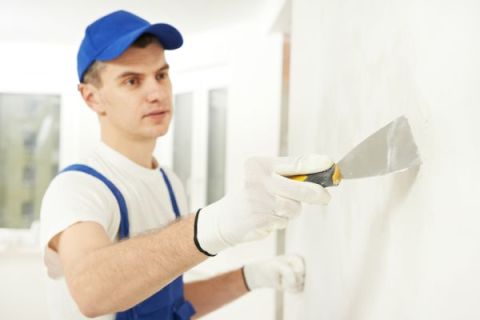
x=75, y=197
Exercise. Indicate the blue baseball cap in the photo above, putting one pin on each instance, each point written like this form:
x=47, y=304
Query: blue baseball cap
x=108, y=37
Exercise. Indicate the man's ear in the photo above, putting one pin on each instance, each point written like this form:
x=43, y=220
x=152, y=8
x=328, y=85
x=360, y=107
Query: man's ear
x=91, y=96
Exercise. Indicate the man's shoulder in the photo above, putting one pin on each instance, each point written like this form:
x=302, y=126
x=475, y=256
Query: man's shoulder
x=88, y=164
x=73, y=180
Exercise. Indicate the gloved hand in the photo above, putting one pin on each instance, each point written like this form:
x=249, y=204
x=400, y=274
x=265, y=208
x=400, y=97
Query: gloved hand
x=266, y=202
x=285, y=273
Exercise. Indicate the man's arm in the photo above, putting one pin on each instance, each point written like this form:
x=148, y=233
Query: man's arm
x=211, y=294
x=283, y=273
x=104, y=278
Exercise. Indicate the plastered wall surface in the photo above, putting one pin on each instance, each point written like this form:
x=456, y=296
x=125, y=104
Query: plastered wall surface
x=405, y=246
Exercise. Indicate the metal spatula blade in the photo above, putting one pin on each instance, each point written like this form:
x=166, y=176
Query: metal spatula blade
x=389, y=149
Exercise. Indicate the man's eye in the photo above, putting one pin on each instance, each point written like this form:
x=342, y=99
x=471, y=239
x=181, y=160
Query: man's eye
x=131, y=82
x=162, y=76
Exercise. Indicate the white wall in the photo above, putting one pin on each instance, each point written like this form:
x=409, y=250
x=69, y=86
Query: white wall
x=405, y=246
x=22, y=296
x=21, y=275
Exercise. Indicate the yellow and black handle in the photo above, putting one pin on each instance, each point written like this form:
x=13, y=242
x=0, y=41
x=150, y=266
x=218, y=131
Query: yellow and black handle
x=327, y=178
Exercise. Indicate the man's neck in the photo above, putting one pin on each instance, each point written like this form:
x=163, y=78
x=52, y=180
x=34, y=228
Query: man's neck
x=140, y=152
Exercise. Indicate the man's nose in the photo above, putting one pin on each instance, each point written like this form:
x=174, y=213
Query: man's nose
x=156, y=90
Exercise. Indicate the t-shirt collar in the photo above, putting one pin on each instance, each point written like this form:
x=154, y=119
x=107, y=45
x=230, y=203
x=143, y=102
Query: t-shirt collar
x=125, y=164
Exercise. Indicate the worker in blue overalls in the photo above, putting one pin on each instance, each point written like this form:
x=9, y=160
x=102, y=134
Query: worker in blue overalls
x=115, y=228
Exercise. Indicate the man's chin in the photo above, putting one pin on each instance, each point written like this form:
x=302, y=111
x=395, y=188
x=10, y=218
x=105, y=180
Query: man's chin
x=159, y=132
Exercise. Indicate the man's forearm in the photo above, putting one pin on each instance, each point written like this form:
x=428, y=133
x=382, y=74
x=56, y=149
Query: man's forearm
x=120, y=275
x=211, y=294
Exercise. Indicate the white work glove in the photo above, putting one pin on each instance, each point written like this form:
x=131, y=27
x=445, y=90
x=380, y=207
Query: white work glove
x=284, y=273
x=266, y=202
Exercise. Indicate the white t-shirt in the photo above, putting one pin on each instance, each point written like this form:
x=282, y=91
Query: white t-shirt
x=75, y=196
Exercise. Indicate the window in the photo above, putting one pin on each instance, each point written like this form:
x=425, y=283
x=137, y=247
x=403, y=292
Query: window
x=217, y=116
x=182, y=139
x=29, y=142
x=199, y=139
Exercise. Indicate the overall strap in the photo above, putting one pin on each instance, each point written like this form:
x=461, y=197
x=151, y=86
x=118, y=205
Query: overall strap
x=173, y=200
x=124, y=231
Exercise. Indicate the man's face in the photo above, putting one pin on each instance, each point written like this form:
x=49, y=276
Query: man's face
x=136, y=94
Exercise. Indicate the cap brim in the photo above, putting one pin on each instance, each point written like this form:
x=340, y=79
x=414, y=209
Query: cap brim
x=167, y=35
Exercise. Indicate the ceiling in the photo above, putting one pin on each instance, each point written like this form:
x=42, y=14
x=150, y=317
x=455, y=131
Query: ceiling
x=63, y=22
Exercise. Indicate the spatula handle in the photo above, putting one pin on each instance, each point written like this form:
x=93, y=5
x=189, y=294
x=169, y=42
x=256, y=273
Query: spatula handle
x=328, y=178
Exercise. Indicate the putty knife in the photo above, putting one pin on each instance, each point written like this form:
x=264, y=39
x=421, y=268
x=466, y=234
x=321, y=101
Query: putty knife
x=390, y=149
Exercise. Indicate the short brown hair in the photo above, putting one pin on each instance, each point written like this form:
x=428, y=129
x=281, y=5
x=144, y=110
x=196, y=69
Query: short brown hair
x=92, y=75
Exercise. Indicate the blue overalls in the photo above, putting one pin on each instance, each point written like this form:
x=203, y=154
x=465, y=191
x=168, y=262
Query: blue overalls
x=168, y=303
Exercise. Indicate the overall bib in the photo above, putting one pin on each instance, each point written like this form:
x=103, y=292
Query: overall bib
x=168, y=303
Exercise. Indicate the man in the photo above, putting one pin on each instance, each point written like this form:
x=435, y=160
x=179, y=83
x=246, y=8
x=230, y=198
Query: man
x=116, y=232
